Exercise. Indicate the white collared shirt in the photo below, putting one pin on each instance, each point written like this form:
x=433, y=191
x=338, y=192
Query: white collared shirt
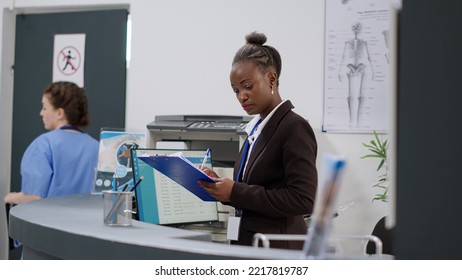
x=257, y=131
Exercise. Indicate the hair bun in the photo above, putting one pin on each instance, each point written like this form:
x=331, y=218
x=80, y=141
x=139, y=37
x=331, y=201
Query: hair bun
x=256, y=38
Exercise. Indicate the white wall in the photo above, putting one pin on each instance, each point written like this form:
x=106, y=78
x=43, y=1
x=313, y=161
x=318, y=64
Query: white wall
x=181, y=52
x=180, y=62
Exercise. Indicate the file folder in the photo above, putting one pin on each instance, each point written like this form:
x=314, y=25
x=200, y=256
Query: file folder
x=182, y=171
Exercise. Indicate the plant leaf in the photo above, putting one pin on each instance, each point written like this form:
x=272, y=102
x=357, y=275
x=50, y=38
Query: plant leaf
x=380, y=164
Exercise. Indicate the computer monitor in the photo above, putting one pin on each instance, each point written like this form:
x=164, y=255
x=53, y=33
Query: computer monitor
x=160, y=200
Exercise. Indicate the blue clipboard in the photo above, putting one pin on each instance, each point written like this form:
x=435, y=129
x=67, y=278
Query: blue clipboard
x=180, y=170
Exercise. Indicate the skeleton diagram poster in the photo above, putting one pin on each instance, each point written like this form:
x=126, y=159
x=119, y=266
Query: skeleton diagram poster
x=356, y=88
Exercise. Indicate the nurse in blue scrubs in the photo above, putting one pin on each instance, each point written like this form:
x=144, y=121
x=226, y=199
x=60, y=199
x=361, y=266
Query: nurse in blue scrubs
x=63, y=160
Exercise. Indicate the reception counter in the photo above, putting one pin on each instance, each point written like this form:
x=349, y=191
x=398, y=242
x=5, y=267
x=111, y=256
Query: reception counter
x=71, y=227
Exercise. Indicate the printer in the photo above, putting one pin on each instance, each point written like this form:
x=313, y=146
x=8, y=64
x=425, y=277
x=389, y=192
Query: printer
x=223, y=134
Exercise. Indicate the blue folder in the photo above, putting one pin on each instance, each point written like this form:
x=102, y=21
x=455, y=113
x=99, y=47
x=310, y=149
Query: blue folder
x=180, y=170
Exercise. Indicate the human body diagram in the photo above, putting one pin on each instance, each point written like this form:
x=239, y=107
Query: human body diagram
x=355, y=65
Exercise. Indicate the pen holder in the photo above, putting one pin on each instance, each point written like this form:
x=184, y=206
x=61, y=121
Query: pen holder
x=117, y=208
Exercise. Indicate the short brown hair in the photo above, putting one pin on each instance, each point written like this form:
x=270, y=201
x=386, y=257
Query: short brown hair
x=72, y=99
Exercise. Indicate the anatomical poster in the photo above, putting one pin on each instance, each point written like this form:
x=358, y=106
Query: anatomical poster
x=356, y=66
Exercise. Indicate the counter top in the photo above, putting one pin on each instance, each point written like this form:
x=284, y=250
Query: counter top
x=71, y=227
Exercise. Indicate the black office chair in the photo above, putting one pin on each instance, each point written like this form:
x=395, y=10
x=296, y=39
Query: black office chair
x=15, y=251
x=385, y=235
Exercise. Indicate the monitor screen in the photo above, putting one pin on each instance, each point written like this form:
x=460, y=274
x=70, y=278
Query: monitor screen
x=162, y=201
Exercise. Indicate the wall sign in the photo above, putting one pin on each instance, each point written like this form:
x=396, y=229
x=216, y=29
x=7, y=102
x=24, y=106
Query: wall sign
x=69, y=58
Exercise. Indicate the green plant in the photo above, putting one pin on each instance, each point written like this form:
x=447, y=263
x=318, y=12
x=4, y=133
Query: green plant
x=379, y=150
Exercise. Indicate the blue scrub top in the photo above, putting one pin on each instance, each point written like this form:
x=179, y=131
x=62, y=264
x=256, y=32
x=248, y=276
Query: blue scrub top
x=58, y=163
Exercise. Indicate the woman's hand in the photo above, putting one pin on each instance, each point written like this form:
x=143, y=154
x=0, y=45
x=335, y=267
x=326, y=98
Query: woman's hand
x=220, y=189
x=209, y=172
x=19, y=197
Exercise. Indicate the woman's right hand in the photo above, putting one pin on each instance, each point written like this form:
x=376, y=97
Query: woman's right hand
x=209, y=172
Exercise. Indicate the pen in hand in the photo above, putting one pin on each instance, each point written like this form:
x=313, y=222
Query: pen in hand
x=204, y=161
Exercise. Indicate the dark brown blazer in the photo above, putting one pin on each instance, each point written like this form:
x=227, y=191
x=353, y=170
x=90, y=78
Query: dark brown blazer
x=279, y=185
